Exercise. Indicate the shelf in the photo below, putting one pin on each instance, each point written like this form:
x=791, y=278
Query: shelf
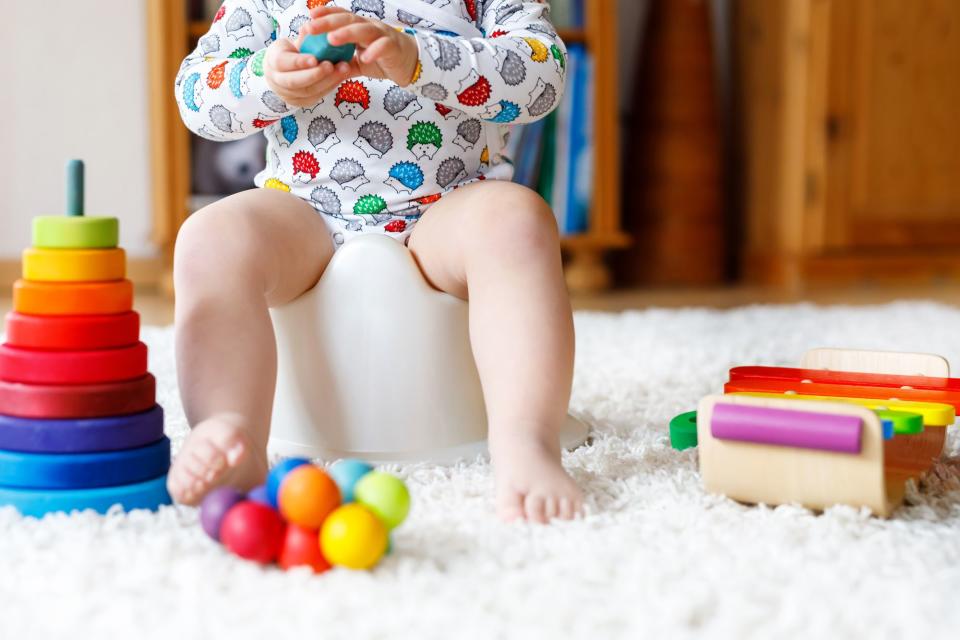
x=572, y=35
x=197, y=28
x=595, y=240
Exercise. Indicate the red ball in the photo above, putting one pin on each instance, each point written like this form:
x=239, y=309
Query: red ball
x=301, y=548
x=252, y=531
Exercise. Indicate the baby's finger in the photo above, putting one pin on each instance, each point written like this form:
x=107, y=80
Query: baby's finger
x=363, y=34
x=334, y=21
x=286, y=61
x=377, y=49
x=323, y=10
x=302, y=79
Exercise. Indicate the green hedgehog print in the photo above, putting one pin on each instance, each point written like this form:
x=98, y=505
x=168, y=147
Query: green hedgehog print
x=558, y=56
x=424, y=140
x=241, y=52
x=369, y=206
x=256, y=63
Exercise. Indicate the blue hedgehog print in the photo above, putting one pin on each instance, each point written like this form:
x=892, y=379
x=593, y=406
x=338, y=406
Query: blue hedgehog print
x=405, y=177
x=289, y=130
x=371, y=155
x=503, y=112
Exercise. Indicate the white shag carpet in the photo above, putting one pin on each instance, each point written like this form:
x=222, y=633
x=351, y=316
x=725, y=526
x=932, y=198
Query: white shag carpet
x=656, y=557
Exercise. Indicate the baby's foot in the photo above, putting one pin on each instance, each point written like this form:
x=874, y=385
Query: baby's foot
x=531, y=483
x=218, y=451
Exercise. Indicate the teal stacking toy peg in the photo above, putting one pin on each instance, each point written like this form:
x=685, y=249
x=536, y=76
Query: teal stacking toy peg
x=75, y=188
x=320, y=48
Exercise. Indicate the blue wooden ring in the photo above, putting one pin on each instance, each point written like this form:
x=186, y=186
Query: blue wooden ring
x=82, y=434
x=83, y=470
x=150, y=494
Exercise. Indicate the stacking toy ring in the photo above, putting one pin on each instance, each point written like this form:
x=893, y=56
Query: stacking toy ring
x=75, y=232
x=74, y=265
x=72, y=367
x=73, y=333
x=83, y=470
x=37, y=502
x=78, y=401
x=73, y=298
x=81, y=435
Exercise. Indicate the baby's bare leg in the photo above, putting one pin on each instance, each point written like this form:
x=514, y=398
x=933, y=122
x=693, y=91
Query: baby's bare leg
x=498, y=242
x=233, y=260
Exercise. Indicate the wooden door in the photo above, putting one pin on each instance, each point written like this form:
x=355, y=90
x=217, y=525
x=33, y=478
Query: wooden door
x=892, y=126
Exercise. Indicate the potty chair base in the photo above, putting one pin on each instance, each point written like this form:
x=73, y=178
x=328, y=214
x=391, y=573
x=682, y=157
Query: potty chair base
x=375, y=363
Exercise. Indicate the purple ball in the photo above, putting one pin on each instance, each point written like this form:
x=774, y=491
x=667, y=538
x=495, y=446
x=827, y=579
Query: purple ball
x=259, y=494
x=215, y=506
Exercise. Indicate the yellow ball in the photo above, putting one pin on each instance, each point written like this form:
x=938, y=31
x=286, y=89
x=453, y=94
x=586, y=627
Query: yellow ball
x=353, y=537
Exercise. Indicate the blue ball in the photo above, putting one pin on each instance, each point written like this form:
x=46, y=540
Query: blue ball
x=346, y=473
x=259, y=494
x=320, y=48
x=276, y=476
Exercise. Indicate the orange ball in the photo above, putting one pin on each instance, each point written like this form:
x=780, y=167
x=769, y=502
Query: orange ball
x=307, y=496
x=301, y=548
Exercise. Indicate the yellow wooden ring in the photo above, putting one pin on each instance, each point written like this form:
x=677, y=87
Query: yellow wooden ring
x=74, y=265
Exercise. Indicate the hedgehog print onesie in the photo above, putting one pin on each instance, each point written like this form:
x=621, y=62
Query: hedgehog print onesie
x=371, y=156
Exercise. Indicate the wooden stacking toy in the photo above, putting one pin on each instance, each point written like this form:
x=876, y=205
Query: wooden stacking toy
x=305, y=516
x=846, y=427
x=79, y=424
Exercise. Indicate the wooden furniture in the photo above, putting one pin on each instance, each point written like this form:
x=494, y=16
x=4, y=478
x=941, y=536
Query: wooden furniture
x=172, y=35
x=850, y=139
x=674, y=172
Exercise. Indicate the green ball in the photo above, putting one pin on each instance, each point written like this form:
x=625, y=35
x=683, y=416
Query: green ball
x=385, y=495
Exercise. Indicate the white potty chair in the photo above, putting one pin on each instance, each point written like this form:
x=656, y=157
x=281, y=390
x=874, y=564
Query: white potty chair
x=374, y=363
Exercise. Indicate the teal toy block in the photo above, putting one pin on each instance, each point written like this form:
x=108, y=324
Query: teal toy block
x=320, y=48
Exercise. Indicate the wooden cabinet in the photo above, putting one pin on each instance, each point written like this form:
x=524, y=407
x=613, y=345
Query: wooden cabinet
x=171, y=35
x=851, y=139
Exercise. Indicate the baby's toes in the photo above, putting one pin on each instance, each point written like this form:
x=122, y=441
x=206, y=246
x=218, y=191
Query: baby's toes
x=550, y=508
x=206, y=461
x=566, y=508
x=534, y=507
x=509, y=505
x=228, y=441
x=180, y=482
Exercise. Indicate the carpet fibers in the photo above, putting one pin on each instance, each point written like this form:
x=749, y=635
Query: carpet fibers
x=655, y=556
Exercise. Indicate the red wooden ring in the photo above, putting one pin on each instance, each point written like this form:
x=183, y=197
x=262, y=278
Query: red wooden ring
x=77, y=401
x=31, y=366
x=73, y=333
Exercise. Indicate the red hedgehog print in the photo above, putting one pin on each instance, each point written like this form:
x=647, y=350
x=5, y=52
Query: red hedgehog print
x=474, y=90
x=305, y=163
x=217, y=75
x=262, y=121
x=395, y=226
x=222, y=11
x=429, y=199
x=313, y=4
x=442, y=109
x=471, y=8
x=498, y=33
x=352, y=98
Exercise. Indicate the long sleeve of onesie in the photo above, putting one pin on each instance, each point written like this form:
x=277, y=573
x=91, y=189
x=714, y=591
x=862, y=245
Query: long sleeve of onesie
x=513, y=75
x=220, y=88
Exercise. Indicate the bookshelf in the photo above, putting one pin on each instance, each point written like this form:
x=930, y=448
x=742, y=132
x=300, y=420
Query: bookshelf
x=172, y=35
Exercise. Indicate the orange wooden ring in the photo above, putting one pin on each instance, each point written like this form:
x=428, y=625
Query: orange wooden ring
x=33, y=366
x=73, y=333
x=72, y=298
x=77, y=401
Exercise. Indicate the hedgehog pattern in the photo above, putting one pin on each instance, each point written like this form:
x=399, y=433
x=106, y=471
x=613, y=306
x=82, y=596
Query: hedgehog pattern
x=322, y=133
x=374, y=139
x=373, y=155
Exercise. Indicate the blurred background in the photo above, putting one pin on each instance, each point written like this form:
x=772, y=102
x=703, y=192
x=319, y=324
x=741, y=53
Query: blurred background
x=707, y=152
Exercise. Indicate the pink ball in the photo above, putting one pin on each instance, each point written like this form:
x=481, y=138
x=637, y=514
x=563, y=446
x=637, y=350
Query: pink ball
x=252, y=531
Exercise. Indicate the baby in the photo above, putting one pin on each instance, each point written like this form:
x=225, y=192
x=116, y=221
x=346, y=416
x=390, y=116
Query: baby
x=404, y=140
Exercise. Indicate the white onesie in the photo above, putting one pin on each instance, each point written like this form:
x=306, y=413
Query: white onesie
x=371, y=156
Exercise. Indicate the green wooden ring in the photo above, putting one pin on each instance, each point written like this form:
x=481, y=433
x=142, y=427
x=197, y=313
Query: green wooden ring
x=683, y=431
x=75, y=232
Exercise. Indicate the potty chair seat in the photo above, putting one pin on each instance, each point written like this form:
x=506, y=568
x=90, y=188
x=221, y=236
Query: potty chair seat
x=374, y=363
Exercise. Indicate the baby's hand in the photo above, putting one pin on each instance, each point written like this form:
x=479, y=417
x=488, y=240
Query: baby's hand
x=382, y=51
x=299, y=78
